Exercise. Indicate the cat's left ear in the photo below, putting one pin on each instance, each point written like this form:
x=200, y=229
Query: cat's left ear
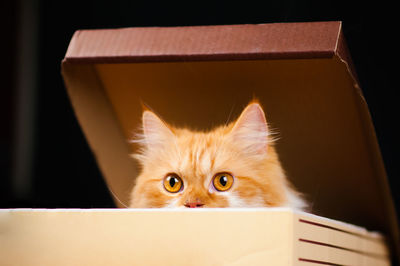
x=251, y=130
x=156, y=131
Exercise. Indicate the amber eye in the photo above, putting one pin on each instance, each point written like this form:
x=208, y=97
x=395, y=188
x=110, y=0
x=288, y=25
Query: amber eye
x=173, y=183
x=223, y=181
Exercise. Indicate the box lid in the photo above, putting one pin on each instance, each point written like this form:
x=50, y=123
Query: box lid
x=199, y=76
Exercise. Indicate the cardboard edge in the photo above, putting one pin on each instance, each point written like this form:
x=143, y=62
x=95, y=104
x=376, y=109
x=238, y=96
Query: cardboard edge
x=198, y=57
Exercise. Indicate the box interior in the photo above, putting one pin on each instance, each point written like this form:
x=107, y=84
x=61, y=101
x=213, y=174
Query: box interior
x=311, y=103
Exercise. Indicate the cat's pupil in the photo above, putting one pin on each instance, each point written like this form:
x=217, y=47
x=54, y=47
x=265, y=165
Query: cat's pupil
x=172, y=181
x=223, y=180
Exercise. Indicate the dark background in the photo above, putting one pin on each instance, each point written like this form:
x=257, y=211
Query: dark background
x=45, y=160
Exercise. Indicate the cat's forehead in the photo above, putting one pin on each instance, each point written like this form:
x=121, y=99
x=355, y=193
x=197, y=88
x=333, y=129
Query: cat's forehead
x=194, y=139
x=198, y=152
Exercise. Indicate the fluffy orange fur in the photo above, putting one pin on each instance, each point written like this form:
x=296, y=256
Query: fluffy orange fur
x=243, y=149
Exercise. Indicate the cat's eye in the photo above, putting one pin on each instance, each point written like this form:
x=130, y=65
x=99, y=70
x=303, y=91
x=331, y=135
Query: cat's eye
x=173, y=183
x=223, y=181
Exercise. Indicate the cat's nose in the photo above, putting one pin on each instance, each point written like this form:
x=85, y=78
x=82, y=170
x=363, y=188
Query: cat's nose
x=195, y=204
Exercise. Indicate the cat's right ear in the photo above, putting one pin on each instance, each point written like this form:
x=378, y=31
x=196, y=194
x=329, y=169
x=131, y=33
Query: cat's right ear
x=156, y=132
x=251, y=130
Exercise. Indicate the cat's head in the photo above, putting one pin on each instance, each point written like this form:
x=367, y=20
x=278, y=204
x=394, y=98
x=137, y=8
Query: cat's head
x=233, y=165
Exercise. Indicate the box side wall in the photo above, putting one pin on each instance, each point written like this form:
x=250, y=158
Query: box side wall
x=331, y=242
x=125, y=237
x=97, y=118
x=391, y=223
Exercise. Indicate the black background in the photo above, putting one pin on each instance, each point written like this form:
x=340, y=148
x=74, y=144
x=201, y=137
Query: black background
x=64, y=173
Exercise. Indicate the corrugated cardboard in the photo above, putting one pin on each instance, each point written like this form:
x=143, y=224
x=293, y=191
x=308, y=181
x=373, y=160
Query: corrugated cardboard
x=276, y=236
x=200, y=76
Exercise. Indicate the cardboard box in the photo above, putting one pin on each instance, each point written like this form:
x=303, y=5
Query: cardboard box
x=303, y=76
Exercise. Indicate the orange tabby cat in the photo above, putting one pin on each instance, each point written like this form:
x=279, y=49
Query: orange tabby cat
x=231, y=166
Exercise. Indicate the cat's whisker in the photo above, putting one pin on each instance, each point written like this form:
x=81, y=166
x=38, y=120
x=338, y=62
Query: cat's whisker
x=229, y=116
x=316, y=194
x=116, y=197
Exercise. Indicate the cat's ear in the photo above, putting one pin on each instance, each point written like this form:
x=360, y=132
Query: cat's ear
x=251, y=130
x=156, y=132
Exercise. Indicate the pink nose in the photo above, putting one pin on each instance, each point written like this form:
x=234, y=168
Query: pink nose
x=193, y=204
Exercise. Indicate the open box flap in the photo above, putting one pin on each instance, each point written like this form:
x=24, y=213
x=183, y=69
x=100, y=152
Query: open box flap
x=311, y=95
x=236, y=42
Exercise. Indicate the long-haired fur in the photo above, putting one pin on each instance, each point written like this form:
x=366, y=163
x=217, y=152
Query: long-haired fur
x=244, y=149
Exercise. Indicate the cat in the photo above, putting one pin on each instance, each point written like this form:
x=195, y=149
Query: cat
x=234, y=165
